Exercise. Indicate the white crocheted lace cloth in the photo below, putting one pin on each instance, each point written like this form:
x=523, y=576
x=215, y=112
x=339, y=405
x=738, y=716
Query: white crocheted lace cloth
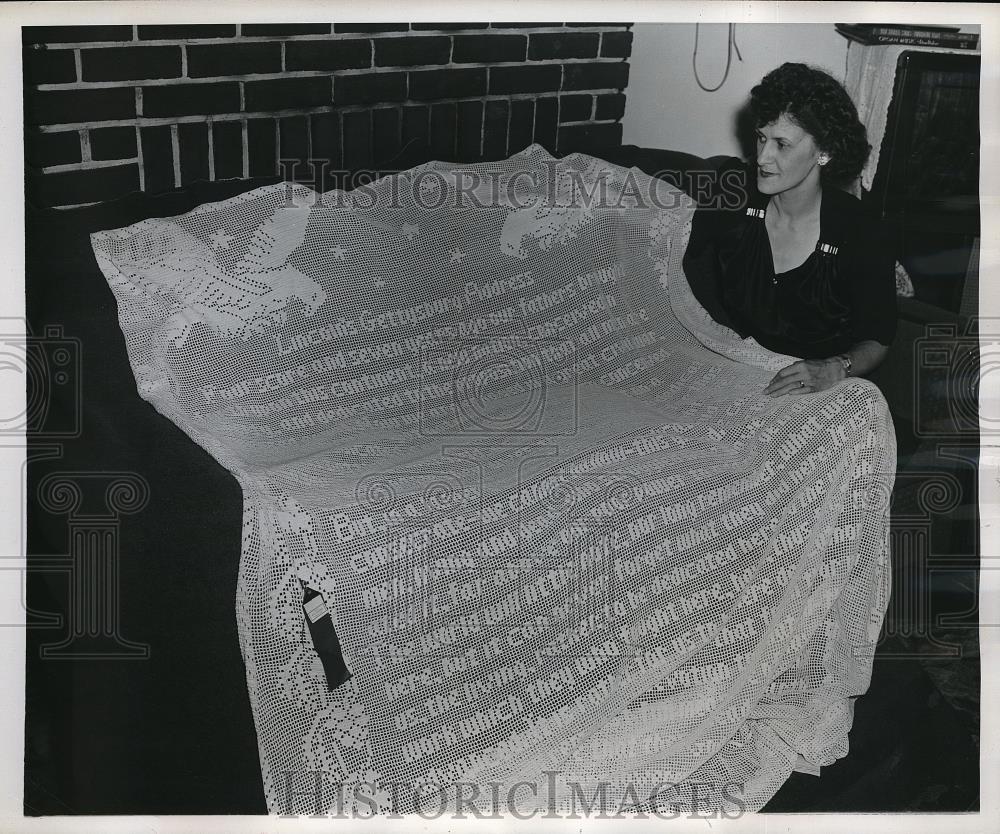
x=565, y=538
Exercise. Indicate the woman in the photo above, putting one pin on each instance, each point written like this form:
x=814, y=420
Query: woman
x=799, y=266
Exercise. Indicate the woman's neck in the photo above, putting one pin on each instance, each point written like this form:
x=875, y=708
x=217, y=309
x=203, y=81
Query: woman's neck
x=801, y=203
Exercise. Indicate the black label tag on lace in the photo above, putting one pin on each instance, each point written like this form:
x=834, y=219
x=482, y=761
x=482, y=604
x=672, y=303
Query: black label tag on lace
x=324, y=639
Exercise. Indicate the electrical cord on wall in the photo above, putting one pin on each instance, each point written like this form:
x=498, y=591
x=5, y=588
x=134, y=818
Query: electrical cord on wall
x=729, y=58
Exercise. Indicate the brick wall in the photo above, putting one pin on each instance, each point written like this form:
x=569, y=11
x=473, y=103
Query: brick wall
x=114, y=109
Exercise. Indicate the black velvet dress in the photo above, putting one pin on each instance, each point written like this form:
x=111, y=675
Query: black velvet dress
x=843, y=293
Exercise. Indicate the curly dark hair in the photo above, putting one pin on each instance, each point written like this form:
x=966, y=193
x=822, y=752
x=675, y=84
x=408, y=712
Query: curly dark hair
x=819, y=104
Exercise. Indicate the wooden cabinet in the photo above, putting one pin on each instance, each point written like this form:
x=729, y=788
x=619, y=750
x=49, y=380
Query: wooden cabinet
x=927, y=183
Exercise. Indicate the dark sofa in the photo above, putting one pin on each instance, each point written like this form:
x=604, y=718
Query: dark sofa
x=157, y=719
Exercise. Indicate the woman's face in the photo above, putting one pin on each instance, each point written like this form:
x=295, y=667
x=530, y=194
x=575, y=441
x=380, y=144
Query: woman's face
x=787, y=156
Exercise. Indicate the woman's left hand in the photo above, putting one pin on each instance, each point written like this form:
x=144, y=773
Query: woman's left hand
x=806, y=377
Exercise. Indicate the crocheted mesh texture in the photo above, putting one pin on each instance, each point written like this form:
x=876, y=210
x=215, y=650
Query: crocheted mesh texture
x=564, y=537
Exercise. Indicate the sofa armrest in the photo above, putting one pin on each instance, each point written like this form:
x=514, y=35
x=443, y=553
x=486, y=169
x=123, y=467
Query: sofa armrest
x=902, y=377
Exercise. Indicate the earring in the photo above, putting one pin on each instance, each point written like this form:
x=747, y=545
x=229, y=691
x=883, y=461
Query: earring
x=823, y=160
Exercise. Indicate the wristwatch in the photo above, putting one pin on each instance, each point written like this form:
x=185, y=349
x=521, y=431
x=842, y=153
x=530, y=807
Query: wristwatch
x=845, y=360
